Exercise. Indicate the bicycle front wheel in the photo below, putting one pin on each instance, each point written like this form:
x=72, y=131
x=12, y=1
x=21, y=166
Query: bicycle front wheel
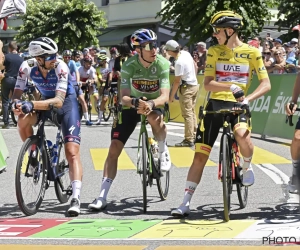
x=31, y=176
x=226, y=176
x=62, y=183
x=145, y=169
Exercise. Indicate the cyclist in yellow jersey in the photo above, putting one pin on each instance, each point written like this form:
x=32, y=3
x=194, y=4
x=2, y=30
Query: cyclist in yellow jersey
x=228, y=75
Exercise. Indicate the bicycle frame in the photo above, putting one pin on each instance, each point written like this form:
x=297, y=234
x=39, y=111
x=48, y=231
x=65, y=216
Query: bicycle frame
x=143, y=129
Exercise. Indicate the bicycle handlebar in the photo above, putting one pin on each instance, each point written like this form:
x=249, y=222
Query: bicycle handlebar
x=289, y=118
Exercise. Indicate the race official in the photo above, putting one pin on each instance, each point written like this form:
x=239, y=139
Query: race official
x=186, y=81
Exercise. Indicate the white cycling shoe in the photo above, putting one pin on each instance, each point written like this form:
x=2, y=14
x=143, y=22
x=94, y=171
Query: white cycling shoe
x=165, y=161
x=181, y=211
x=98, y=204
x=248, y=176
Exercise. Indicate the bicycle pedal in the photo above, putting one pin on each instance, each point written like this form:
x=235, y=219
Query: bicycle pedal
x=69, y=192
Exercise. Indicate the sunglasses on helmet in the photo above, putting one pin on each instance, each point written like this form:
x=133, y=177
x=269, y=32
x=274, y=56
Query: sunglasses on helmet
x=50, y=57
x=149, y=46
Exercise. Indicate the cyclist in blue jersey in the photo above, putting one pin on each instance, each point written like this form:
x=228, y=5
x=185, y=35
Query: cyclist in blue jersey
x=76, y=56
x=50, y=76
x=74, y=79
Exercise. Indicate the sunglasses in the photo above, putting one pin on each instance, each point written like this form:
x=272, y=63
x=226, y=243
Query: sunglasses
x=216, y=30
x=67, y=57
x=277, y=54
x=149, y=46
x=267, y=53
x=50, y=57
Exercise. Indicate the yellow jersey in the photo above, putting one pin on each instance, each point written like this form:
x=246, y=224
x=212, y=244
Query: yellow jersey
x=234, y=66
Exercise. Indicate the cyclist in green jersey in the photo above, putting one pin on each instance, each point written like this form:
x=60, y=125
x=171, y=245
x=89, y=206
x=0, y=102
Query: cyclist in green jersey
x=143, y=75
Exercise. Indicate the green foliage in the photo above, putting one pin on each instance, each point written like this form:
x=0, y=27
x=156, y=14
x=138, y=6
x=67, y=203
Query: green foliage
x=288, y=17
x=71, y=23
x=192, y=17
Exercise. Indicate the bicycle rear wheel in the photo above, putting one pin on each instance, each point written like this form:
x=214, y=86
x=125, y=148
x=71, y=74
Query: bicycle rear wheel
x=145, y=169
x=162, y=181
x=242, y=191
x=32, y=178
x=62, y=183
x=226, y=176
x=108, y=106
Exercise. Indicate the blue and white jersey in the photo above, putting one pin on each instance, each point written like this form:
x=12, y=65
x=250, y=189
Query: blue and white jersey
x=72, y=72
x=56, y=79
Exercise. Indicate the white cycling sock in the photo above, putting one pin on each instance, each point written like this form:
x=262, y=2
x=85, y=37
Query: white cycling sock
x=295, y=164
x=247, y=162
x=86, y=115
x=100, y=115
x=190, y=188
x=105, y=186
x=76, y=187
x=162, y=146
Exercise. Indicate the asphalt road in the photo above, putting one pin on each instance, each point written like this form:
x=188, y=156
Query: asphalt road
x=268, y=198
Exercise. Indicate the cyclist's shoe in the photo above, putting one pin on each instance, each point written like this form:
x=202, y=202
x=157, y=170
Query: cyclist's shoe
x=98, y=122
x=88, y=123
x=181, y=211
x=165, y=161
x=184, y=143
x=292, y=186
x=248, y=176
x=74, y=209
x=98, y=204
x=32, y=166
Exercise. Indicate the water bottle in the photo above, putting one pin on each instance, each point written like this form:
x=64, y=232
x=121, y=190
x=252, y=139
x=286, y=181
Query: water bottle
x=55, y=155
x=50, y=146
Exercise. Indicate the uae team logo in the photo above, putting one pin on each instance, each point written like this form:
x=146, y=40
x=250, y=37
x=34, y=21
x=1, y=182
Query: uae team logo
x=146, y=86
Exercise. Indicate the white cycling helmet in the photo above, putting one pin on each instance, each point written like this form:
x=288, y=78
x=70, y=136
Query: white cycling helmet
x=42, y=46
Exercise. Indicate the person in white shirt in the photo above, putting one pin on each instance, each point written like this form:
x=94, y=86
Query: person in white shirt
x=186, y=81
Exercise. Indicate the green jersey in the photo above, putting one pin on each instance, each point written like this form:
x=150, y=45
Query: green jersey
x=145, y=81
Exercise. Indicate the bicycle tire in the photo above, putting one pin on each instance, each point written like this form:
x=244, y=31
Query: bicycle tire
x=33, y=140
x=242, y=191
x=107, y=109
x=145, y=169
x=163, y=190
x=226, y=177
x=62, y=196
x=14, y=118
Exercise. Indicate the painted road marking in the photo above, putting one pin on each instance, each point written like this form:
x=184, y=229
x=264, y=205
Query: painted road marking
x=98, y=229
x=47, y=247
x=99, y=156
x=218, y=229
x=223, y=247
x=274, y=173
x=183, y=157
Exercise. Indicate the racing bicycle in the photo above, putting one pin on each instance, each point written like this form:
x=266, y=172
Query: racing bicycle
x=148, y=163
x=230, y=162
x=39, y=164
x=111, y=106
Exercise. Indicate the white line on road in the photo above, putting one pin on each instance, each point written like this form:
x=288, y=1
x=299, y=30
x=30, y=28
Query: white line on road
x=274, y=173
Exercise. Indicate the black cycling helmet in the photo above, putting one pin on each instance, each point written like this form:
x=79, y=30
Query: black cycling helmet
x=67, y=53
x=76, y=53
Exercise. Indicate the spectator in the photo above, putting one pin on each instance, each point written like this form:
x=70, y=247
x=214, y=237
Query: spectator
x=186, y=81
x=291, y=63
x=12, y=63
x=279, y=64
x=201, y=48
x=267, y=59
x=164, y=53
x=196, y=60
x=1, y=56
x=289, y=51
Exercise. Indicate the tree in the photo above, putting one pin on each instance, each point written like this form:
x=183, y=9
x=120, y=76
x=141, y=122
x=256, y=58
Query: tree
x=191, y=17
x=288, y=17
x=73, y=24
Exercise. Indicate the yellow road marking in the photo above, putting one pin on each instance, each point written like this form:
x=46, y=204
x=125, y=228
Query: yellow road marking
x=183, y=157
x=195, y=229
x=50, y=247
x=99, y=156
x=261, y=156
x=224, y=247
